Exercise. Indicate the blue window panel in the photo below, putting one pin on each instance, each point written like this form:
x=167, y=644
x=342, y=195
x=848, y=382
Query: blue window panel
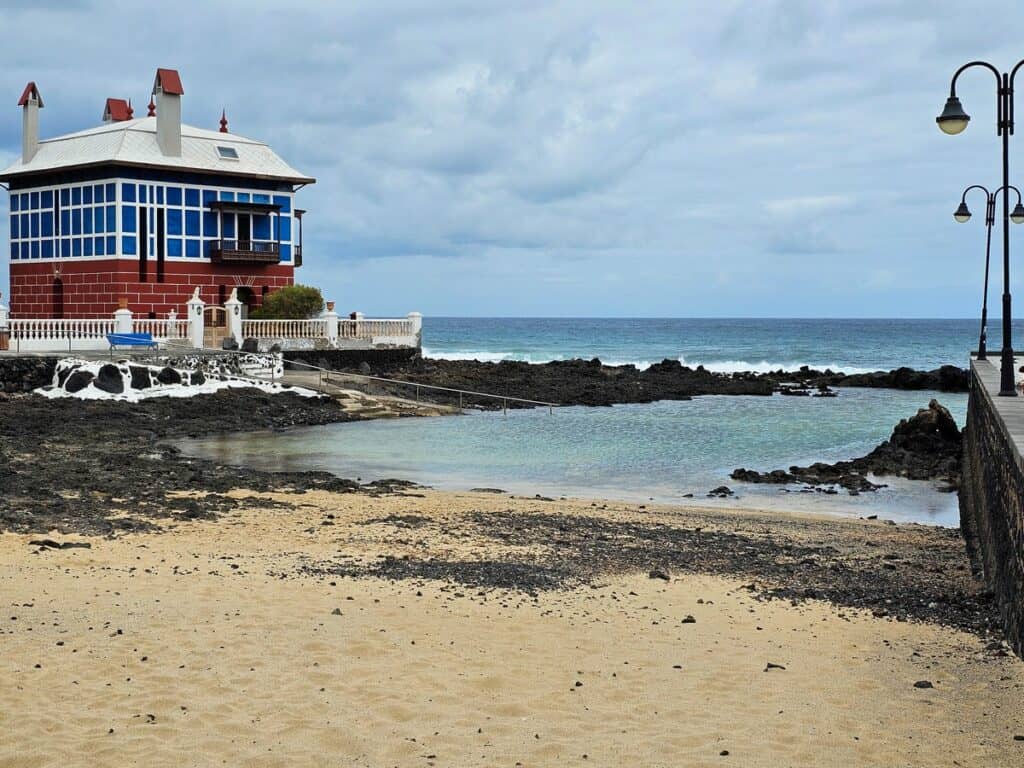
x=87, y=195
x=24, y=225
x=286, y=252
x=285, y=202
x=284, y=228
x=97, y=219
x=174, y=195
x=160, y=195
x=87, y=221
x=47, y=249
x=192, y=223
x=111, y=245
x=14, y=251
x=34, y=201
x=229, y=227
x=207, y=245
x=173, y=222
x=99, y=194
x=14, y=202
x=35, y=250
x=76, y=221
x=111, y=196
x=143, y=189
x=46, y=223
x=24, y=251
x=128, y=193
x=76, y=247
x=261, y=227
x=98, y=246
x=261, y=198
x=192, y=248
x=87, y=246
x=24, y=201
x=209, y=195
x=35, y=224
x=65, y=247
x=174, y=246
x=209, y=224
x=65, y=222
x=128, y=245
x=128, y=223
x=14, y=227
x=111, y=218
x=192, y=197
x=76, y=195
x=65, y=197
x=243, y=197
x=229, y=196
x=46, y=199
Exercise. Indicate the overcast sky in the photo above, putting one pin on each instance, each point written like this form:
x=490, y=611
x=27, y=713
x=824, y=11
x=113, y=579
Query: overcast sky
x=723, y=158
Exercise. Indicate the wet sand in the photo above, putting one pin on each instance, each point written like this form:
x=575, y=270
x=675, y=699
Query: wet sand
x=308, y=629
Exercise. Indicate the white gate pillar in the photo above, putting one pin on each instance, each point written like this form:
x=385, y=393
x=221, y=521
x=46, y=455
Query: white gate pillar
x=233, y=308
x=5, y=330
x=416, y=321
x=332, y=324
x=195, y=320
x=123, y=318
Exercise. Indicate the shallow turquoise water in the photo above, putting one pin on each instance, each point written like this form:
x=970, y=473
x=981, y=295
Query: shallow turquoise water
x=657, y=451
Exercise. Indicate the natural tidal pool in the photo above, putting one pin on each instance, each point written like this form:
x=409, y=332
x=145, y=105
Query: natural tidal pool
x=657, y=451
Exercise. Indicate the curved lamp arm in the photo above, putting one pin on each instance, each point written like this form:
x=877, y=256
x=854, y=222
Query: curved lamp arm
x=999, y=86
x=963, y=197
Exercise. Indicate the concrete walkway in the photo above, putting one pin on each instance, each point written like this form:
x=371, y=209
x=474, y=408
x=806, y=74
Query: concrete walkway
x=1010, y=410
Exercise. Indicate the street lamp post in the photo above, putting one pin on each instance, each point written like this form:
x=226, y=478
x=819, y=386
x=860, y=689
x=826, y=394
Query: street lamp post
x=963, y=214
x=953, y=120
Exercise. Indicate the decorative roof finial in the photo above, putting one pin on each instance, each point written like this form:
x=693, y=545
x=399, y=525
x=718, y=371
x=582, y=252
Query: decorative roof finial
x=152, y=108
x=131, y=112
x=223, y=121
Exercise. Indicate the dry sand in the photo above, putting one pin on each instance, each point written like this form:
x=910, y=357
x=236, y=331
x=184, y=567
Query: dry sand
x=209, y=645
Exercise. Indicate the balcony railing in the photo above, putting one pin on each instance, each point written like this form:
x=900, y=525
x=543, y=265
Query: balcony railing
x=245, y=252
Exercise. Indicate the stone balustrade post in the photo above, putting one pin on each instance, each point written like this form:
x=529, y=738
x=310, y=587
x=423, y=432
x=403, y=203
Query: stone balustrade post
x=416, y=321
x=233, y=308
x=196, y=320
x=172, y=318
x=332, y=324
x=5, y=329
x=123, y=317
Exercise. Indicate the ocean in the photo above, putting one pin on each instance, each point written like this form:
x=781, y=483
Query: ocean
x=662, y=451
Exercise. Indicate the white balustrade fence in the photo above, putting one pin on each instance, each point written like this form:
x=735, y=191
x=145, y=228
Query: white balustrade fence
x=284, y=329
x=326, y=331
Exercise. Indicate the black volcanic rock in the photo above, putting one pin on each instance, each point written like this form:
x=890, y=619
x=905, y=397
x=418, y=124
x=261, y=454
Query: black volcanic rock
x=926, y=446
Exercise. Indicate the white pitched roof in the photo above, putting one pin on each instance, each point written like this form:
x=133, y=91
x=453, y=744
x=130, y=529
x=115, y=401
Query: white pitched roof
x=133, y=142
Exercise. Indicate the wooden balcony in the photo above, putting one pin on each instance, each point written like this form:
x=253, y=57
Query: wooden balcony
x=244, y=252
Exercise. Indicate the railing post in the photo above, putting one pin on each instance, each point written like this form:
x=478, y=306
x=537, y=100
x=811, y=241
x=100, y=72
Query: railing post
x=233, y=308
x=5, y=329
x=332, y=324
x=416, y=321
x=122, y=317
x=172, y=324
x=195, y=307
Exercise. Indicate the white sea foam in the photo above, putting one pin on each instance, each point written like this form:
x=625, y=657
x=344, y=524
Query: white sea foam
x=717, y=366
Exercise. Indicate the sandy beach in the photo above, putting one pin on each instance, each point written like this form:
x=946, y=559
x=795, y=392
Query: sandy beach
x=260, y=639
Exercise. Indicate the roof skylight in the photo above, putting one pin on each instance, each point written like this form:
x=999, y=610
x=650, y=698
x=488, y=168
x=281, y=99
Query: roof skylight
x=227, y=153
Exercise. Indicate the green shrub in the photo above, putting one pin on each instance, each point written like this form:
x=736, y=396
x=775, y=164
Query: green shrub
x=293, y=302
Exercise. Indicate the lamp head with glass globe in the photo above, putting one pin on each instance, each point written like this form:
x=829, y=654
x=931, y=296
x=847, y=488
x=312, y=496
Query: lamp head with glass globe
x=962, y=213
x=953, y=119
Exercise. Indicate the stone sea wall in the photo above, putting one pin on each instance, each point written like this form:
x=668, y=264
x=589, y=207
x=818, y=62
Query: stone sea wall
x=992, y=508
x=23, y=374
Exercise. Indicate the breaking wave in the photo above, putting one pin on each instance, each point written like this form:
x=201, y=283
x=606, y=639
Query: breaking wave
x=718, y=366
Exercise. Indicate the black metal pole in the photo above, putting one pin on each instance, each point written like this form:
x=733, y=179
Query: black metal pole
x=1007, y=375
x=990, y=213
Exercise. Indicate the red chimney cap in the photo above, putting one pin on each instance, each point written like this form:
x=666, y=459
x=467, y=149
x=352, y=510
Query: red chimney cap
x=30, y=91
x=169, y=81
x=117, y=110
x=223, y=121
x=152, y=108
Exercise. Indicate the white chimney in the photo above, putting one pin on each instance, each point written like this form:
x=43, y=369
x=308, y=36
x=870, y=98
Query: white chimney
x=30, y=102
x=168, y=92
